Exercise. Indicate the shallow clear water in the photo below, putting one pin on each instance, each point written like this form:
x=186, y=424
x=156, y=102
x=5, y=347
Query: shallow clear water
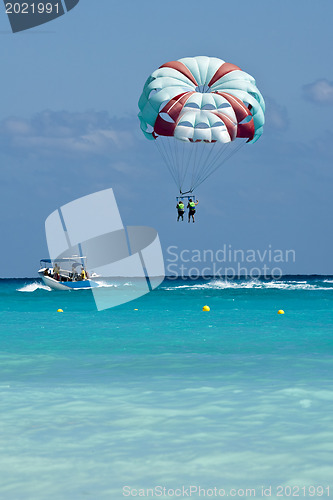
x=238, y=397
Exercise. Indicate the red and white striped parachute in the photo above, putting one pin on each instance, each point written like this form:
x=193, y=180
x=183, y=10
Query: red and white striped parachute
x=206, y=103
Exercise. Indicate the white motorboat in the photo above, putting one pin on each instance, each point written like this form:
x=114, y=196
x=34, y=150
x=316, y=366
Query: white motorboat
x=66, y=274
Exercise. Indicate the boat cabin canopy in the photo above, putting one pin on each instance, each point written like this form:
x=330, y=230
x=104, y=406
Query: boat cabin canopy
x=72, y=261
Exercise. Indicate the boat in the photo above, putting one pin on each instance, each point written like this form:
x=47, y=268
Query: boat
x=66, y=274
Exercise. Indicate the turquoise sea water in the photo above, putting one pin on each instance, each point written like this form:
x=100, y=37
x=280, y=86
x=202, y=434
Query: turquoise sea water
x=235, y=398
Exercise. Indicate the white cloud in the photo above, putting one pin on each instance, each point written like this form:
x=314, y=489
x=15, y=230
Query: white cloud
x=276, y=116
x=64, y=133
x=320, y=92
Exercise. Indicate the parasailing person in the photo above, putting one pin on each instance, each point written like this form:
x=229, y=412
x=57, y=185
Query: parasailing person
x=191, y=209
x=181, y=210
x=199, y=111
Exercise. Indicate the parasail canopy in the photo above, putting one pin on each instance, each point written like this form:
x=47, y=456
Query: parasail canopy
x=199, y=111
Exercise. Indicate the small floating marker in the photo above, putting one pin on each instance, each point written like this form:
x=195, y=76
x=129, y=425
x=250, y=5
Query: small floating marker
x=206, y=308
x=60, y=311
x=280, y=311
x=136, y=309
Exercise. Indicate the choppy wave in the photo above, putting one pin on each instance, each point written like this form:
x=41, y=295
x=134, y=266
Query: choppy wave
x=211, y=284
x=32, y=287
x=219, y=284
x=107, y=284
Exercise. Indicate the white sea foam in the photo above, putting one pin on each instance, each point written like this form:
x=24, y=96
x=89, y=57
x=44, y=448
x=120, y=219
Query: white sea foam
x=32, y=287
x=251, y=284
x=105, y=284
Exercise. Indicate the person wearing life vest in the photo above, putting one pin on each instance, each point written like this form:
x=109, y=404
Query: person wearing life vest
x=191, y=206
x=181, y=209
x=56, y=272
x=83, y=274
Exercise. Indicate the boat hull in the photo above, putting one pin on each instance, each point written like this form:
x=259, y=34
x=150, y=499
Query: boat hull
x=68, y=285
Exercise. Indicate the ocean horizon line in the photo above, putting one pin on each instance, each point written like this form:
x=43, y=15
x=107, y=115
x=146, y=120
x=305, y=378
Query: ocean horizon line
x=194, y=278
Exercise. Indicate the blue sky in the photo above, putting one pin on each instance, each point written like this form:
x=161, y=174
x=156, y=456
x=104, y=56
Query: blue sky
x=68, y=125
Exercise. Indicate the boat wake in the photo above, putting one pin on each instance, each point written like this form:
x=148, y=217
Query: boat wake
x=32, y=287
x=105, y=284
